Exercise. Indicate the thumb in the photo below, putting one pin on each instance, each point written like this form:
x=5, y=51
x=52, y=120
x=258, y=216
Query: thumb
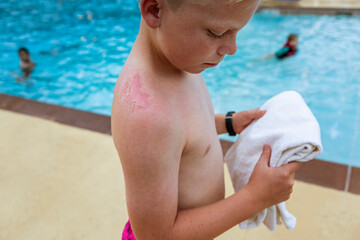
x=292, y=166
x=260, y=113
x=265, y=156
x=255, y=113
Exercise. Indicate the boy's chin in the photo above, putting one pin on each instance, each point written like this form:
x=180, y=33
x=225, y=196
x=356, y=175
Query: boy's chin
x=195, y=70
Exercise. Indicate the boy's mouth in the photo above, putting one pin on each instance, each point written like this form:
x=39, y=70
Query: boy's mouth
x=211, y=64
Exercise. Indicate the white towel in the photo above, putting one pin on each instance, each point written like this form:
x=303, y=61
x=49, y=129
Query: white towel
x=293, y=133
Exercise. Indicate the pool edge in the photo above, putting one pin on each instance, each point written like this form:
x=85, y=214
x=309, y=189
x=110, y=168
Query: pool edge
x=333, y=175
x=310, y=7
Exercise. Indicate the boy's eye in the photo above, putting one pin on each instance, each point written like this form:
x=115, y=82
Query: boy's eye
x=214, y=35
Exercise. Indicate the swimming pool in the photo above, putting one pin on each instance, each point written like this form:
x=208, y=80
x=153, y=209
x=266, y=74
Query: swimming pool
x=79, y=49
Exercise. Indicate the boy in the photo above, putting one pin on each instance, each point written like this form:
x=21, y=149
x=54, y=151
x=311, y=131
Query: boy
x=289, y=48
x=165, y=130
x=26, y=65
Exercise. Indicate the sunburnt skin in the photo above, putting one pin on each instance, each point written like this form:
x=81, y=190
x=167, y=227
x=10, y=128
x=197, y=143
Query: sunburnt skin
x=165, y=129
x=133, y=94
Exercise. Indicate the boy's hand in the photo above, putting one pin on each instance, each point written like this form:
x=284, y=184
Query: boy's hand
x=270, y=185
x=242, y=119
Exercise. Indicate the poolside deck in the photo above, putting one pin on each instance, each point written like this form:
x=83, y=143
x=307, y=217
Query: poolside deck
x=348, y=7
x=60, y=180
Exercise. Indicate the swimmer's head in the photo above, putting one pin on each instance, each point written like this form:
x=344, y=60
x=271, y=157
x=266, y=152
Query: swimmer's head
x=293, y=39
x=24, y=54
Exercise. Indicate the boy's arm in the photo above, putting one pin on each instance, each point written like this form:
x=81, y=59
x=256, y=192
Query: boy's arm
x=150, y=145
x=240, y=120
x=267, y=186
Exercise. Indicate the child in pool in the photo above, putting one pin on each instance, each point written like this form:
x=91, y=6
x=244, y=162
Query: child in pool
x=165, y=130
x=289, y=48
x=26, y=65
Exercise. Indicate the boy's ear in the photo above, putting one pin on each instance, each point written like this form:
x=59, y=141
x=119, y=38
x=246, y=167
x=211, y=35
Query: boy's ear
x=150, y=12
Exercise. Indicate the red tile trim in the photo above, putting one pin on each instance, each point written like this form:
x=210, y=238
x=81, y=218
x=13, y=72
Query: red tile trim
x=69, y=116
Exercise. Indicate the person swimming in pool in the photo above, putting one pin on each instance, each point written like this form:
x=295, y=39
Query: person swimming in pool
x=289, y=48
x=26, y=65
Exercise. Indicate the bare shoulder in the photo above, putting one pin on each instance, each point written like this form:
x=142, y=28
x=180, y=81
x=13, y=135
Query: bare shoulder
x=140, y=112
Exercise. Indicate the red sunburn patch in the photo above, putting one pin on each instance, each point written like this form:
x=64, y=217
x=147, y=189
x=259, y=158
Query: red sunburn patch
x=134, y=95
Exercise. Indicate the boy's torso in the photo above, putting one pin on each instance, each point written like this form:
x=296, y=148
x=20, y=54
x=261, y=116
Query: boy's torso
x=201, y=179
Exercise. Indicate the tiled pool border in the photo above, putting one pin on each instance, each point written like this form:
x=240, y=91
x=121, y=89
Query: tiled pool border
x=311, y=11
x=332, y=175
x=304, y=7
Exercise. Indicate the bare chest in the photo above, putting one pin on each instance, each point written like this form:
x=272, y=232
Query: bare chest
x=201, y=179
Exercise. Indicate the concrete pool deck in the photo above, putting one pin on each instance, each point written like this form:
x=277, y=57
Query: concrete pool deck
x=348, y=7
x=62, y=181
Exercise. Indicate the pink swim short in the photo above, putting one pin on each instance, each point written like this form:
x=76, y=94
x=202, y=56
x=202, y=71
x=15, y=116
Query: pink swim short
x=127, y=233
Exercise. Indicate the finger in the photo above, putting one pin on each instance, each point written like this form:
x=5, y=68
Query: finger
x=266, y=154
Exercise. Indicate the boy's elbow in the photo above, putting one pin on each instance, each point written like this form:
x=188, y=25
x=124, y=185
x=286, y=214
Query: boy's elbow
x=155, y=232
x=165, y=234
x=154, y=236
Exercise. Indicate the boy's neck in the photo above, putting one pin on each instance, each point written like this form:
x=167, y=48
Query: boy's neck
x=147, y=46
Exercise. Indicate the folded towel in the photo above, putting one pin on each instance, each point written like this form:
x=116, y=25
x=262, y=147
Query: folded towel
x=293, y=133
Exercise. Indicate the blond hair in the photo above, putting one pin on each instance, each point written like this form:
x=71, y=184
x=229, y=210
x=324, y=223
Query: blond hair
x=175, y=4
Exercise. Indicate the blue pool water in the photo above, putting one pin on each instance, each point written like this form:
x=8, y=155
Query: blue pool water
x=79, y=47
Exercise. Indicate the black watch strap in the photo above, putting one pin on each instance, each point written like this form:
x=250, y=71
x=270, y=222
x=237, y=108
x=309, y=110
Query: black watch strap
x=228, y=123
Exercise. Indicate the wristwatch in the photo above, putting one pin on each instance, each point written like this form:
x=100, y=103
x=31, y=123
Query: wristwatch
x=228, y=123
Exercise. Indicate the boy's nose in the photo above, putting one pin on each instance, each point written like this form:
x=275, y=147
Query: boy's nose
x=229, y=47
